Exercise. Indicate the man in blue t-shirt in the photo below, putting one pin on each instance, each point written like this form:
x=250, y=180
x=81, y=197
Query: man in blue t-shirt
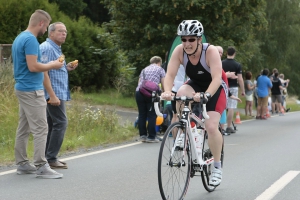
x=28, y=74
x=263, y=85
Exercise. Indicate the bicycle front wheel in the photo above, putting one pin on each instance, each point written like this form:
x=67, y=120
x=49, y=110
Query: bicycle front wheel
x=173, y=170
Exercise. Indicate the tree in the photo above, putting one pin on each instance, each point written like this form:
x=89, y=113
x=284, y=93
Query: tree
x=92, y=9
x=146, y=28
x=72, y=8
x=96, y=11
x=99, y=59
x=279, y=42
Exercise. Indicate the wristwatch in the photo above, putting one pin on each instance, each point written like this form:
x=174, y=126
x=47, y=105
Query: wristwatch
x=207, y=95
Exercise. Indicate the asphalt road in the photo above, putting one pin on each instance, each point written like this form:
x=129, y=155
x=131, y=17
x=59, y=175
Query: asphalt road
x=262, y=162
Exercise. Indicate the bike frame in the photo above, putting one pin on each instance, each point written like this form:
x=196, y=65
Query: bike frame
x=186, y=114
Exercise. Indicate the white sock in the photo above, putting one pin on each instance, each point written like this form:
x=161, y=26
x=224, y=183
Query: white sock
x=217, y=165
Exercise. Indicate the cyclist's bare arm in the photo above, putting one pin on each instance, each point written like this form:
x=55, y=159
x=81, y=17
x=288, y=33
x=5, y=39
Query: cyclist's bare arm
x=214, y=62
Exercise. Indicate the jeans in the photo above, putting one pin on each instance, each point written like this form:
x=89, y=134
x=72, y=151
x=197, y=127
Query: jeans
x=146, y=110
x=32, y=119
x=57, y=125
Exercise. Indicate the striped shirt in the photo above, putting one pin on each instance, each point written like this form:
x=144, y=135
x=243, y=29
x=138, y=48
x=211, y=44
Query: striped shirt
x=152, y=73
x=59, y=77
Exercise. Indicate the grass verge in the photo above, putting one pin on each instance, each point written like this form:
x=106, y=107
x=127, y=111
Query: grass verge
x=87, y=126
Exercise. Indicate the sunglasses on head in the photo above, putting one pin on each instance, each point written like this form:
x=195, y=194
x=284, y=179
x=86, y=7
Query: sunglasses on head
x=190, y=40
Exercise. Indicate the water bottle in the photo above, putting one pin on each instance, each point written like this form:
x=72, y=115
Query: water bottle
x=197, y=138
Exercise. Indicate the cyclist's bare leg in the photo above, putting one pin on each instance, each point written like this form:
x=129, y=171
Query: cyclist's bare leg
x=229, y=116
x=215, y=139
x=184, y=90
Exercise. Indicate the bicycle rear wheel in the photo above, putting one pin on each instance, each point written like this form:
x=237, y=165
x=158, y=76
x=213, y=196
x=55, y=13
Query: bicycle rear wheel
x=173, y=171
x=207, y=169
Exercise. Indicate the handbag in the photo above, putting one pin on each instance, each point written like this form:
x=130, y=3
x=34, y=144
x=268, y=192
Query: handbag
x=148, y=87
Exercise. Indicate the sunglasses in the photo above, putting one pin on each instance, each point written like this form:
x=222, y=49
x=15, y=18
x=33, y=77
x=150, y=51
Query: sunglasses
x=190, y=40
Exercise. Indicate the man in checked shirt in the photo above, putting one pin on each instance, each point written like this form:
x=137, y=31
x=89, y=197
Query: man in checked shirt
x=56, y=93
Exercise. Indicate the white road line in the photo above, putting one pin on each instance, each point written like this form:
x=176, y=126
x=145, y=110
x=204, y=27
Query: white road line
x=278, y=185
x=81, y=156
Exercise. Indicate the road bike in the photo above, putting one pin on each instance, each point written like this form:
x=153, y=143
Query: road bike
x=178, y=163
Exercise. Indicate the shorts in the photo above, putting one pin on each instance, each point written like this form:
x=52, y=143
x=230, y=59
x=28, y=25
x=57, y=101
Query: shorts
x=262, y=101
x=231, y=103
x=223, y=117
x=249, y=97
x=277, y=98
x=217, y=102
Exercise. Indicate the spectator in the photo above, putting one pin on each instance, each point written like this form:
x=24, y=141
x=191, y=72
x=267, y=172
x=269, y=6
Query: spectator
x=276, y=94
x=230, y=65
x=56, y=83
x=273, y=73
x=285, y=84
x=255, y=89
x=154, y=72
x=30, y=93
x=249, y=87
x=263, y=86
x=232, y=75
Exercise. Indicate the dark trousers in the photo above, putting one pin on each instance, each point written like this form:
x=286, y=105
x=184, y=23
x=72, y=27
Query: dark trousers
x=57, y=125
x=146, y=110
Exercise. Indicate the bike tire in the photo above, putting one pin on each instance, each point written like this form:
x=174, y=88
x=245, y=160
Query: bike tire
x=173, y=179
x=206, y=169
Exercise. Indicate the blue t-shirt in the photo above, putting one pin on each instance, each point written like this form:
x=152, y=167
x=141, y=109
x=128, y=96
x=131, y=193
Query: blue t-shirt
x=263, y=85
x=26, y=44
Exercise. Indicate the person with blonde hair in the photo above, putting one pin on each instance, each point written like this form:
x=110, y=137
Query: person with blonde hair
x=29, y=89
x=204, y=68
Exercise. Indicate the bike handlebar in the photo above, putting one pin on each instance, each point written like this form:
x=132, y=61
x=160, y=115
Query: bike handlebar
x=156, y=100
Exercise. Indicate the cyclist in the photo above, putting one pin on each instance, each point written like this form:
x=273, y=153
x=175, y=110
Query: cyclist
x=204, y=68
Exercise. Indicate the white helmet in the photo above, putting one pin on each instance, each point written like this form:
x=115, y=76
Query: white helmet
x=190, y=28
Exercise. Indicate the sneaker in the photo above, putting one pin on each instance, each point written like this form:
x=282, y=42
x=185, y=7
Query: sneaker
x=179, y=142
x=216, y=177
x=143, y=138
x=155, y=140
x=263, y=117
x=258, y=117
x=159, y=138
x=287, y=110
x=281, y=114
x=26, y=168
x=229, y=130
x=224, y=132
x=46, y=172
